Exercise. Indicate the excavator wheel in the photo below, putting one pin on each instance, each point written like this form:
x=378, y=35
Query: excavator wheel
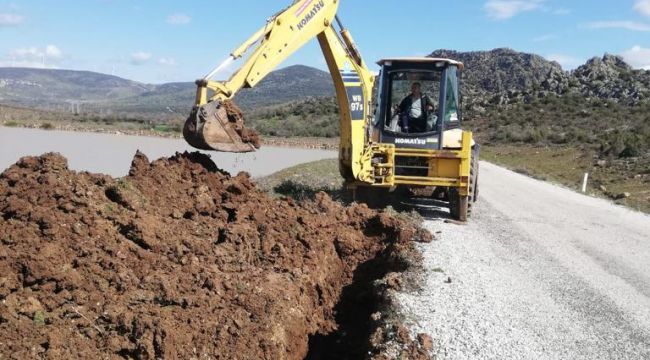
x=458, y=205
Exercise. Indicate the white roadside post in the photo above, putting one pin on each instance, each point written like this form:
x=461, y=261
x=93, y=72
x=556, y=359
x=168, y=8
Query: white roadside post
x=584, y=182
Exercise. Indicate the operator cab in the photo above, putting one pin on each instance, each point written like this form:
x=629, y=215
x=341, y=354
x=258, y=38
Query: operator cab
x=417, y=101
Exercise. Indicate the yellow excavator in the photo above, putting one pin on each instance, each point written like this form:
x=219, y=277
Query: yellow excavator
x=408, y=136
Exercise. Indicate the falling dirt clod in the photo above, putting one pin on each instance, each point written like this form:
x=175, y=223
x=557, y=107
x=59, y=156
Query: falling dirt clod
x=176, y=260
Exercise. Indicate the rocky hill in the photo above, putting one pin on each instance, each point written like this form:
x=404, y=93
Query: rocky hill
x=504, y=76
x=610, y=77
x=499, y=75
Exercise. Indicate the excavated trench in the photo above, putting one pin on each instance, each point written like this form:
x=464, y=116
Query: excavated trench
x=181, y=260
x=355, y=325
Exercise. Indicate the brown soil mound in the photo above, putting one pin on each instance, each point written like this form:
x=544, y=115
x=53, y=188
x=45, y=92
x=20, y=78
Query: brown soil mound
x=176, y=260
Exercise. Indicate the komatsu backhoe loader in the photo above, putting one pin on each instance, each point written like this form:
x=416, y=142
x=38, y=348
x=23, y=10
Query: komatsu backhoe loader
x=378, y=151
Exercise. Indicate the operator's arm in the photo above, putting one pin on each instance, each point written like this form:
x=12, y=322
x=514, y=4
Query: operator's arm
x=404, y=105
x=430, y=106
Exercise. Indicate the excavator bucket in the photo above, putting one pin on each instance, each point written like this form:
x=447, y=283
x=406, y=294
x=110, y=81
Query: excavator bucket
x=219, y=126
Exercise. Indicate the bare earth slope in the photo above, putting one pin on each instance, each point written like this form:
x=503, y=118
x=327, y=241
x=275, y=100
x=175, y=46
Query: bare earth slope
x=540, y=272
x=177, y=260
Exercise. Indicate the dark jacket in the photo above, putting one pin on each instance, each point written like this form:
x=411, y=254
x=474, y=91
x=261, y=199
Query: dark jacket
x=405, y=105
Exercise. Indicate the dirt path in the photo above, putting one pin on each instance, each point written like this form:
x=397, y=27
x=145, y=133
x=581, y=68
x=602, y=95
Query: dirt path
x=540, y=272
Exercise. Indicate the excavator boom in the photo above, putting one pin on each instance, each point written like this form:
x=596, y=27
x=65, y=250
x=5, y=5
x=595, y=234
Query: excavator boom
x=211, y=126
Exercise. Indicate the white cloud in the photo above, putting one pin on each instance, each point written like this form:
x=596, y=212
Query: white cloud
x=167, y=61
x=30, y=52
x=638, y=57
x=622, y=24
x=26, y=64
x=10, y=19
x=140, y=57
x=642, y=7
x=505, y=9
x=568, y=62
x=53, y=52
x=33, y=57
x=179, y=19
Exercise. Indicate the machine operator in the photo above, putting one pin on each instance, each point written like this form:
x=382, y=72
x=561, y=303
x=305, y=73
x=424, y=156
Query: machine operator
x=414, y=110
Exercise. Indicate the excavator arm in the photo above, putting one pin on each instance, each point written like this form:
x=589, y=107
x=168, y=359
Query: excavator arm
x=211, y=127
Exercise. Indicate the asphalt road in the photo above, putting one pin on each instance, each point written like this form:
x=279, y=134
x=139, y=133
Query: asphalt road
x=539, y=272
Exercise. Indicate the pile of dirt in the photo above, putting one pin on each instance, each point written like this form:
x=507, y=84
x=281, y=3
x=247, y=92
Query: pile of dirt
x=236, y=116
x=176, y=260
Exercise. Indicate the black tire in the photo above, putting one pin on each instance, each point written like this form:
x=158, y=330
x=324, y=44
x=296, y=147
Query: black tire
x=441, y=193
x=458, y=205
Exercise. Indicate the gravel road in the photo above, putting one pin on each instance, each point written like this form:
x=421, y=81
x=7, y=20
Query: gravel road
x=540, y=272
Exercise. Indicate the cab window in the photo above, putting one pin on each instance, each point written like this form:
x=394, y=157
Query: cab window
x=452, y=117
x=413, y=101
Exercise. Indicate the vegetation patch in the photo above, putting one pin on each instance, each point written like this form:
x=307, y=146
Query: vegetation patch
x=304, y=181
x=316, y=117
x=626, y=182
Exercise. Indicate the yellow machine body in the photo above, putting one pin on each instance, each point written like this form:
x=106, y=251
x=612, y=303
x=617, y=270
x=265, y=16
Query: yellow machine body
x=279, y=38
x=446, y=168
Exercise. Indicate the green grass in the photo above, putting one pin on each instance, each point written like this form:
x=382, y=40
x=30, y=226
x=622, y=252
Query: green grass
x=109, y=209
x=123, y=184
x=39, y=318
x=557, y=164
x=164, y=124
x=164, y=128
x=567, y=166
x=304, y=181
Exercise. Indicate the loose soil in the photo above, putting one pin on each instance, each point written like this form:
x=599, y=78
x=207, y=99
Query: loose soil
x=177, y=260
x=236, y=117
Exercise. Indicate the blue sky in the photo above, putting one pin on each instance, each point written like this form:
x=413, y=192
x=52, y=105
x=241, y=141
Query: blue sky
x=164, y=40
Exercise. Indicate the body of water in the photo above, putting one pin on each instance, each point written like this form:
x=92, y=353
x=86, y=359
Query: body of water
x=112, y=154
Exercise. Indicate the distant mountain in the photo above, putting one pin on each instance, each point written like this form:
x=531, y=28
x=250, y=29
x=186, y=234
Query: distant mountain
x=504, y=76
x=47, y=88
x=289, y=84
x=55, y=89
x=293, y=83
